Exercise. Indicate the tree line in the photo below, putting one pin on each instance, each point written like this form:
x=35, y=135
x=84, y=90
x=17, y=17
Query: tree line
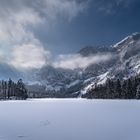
x=13, y=90
x=116, y=89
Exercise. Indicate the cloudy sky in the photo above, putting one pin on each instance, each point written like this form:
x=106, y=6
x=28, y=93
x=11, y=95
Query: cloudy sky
x=34, y=31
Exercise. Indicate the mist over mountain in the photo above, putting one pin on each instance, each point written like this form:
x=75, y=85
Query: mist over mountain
x=123, y=62
x=73, y=75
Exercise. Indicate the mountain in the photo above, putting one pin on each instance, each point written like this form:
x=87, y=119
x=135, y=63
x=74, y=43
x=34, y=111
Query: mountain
x=126, y=61
x=128, y=51
x=92, y=50
x=123, y=63
x=57, y=80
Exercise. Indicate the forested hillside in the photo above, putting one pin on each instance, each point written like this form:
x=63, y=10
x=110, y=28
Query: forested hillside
x=116, y=89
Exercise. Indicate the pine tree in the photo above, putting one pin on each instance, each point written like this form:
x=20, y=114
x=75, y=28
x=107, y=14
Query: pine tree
x=9, y=88
x=5, y=89
x=21, y=90
x=118, y=89
x=129, y=92
x=124, y=89
x=109, y=88
x=138, y=92
x=135, y=83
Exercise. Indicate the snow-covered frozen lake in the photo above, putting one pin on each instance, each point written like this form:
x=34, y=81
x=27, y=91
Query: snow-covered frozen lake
x=70, y=119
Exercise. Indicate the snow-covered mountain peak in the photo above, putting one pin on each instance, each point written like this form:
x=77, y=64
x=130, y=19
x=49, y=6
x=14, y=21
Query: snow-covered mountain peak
x=127, y=41
x=125, y=62
x=136, y=36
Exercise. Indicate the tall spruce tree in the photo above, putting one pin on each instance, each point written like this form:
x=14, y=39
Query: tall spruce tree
x=138, y=92
x=129, y=89
x=118, y=89
x=9, y=88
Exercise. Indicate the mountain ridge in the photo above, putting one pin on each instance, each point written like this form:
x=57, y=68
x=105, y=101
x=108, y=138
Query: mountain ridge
x=60, y=82
x=123, y=64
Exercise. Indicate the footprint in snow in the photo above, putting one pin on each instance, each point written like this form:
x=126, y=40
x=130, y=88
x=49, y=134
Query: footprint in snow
x=45, y=123
x=21, y=136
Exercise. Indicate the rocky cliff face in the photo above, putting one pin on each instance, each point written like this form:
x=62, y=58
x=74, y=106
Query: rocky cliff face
x=123, y=63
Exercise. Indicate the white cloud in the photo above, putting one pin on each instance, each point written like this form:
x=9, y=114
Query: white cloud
x=16, y=37
x=64, y=8
x=78, y=61
x=14, y=25
x=18, y=19
x=1, y=57
x=29, y=56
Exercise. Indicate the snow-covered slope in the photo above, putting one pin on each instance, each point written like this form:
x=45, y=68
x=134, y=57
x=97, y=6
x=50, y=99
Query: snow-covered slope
x=70, y=119
x=125, y=62
x=128, y=52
